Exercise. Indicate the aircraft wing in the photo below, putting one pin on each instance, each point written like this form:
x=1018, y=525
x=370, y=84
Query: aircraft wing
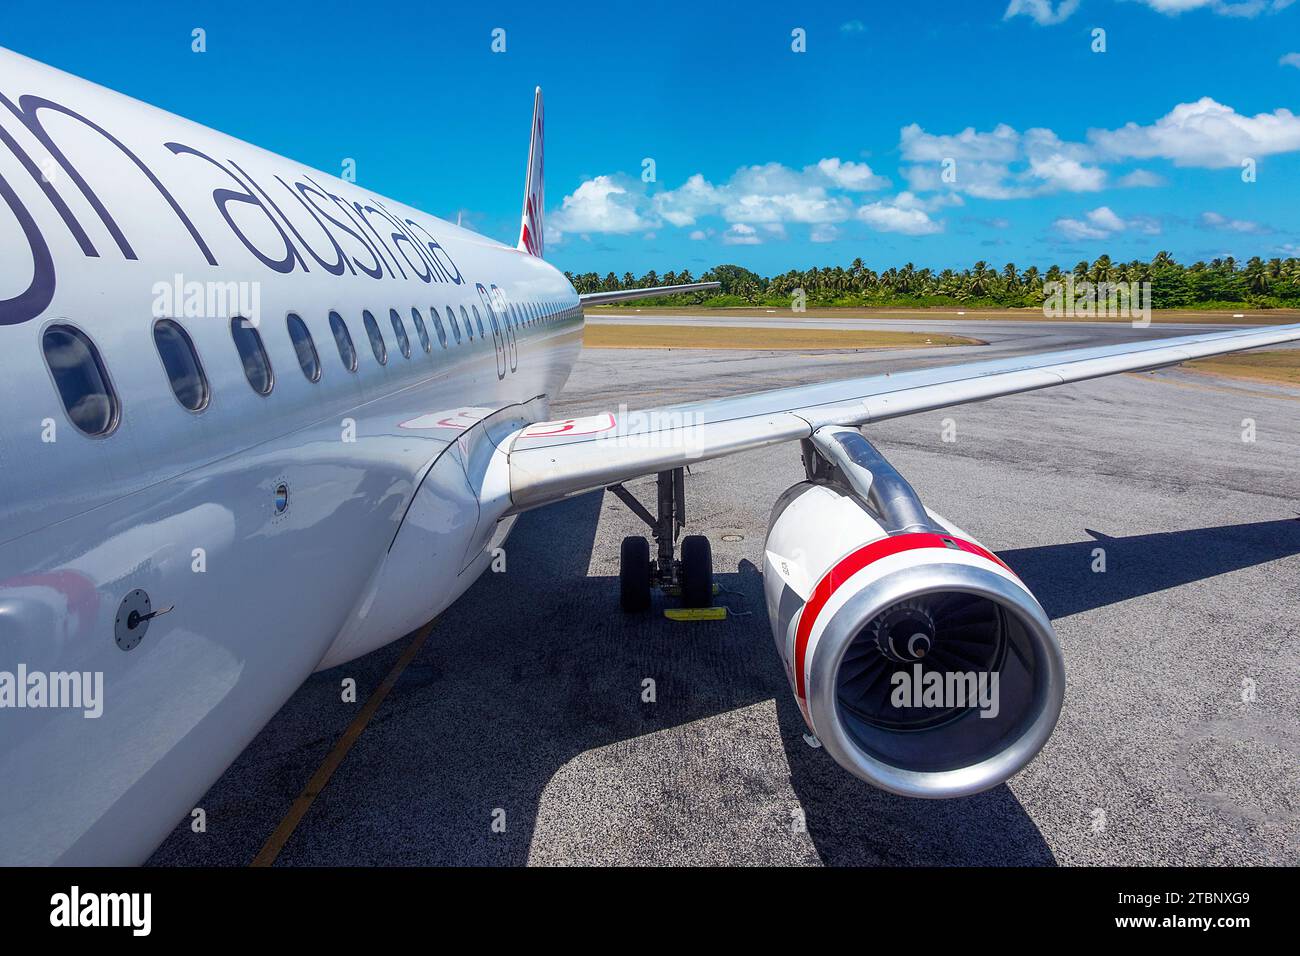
x=553, y=460
x=623, y=295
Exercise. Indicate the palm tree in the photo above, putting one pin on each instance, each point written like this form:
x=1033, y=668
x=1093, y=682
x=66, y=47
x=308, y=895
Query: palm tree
x=981, y=279
x=1256, y=276
x=1101, y=270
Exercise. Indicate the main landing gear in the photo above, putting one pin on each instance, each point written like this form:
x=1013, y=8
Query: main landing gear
x=691, y=576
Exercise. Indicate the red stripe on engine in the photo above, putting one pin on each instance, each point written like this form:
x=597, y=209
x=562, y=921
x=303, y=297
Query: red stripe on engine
x=850, y=565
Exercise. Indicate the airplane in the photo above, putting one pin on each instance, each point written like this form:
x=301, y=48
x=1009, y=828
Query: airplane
x=260, y=421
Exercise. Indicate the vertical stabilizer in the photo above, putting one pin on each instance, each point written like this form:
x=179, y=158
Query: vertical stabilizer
x=530, y=230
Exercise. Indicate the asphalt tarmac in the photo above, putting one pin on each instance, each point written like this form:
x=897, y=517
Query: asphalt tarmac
x=521, y=733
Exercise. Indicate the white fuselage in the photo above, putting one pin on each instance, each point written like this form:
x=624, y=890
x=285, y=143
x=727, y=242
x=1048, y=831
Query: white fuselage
x=112, y=215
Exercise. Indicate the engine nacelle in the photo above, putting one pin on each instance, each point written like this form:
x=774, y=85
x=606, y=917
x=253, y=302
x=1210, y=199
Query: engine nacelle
x=918, y=658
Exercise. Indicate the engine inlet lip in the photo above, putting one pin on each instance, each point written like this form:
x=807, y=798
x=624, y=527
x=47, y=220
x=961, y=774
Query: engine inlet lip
x=832, y=729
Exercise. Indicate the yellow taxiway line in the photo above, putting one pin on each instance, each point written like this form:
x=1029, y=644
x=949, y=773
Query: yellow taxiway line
x=276, y=841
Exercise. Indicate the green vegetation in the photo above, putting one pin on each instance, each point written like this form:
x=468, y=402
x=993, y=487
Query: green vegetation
x=1219, y=284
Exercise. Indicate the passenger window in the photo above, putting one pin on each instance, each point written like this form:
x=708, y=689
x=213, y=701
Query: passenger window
x=181, y=363
x=421, y=331
x=257, y=367
x=451, y=320
x=437, y=326
x=399, y=329
x=81, y=380
x=308, y=359
x=376, y=338
x=343, y=339
x=464, y=317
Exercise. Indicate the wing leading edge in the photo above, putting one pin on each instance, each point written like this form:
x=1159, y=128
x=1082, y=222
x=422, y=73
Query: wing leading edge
x=623, y=295
x=553, y=460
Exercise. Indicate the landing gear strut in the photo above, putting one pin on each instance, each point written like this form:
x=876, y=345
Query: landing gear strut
x=692, y=575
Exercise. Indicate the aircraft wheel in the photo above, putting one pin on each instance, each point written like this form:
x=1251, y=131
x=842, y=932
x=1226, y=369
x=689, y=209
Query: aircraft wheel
x=697, y=571
x=634, y=575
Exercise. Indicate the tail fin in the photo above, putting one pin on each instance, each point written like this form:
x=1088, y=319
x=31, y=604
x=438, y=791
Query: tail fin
x=530, y=231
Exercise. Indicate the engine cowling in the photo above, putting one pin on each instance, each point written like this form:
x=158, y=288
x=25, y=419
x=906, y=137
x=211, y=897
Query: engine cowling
x=918, y=658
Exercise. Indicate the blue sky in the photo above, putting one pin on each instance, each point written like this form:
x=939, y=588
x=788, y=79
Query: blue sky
x=763, y=156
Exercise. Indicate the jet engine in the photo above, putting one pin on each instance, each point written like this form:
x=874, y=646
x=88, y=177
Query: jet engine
x=920, y=661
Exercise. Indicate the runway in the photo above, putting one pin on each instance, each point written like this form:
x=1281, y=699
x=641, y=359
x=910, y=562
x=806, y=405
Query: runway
x=521, y=732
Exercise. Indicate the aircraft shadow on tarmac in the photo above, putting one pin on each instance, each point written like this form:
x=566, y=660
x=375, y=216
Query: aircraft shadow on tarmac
x=534, y=667
x=1062, y=579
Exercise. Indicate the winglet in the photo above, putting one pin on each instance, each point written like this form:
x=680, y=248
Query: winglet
x=530, y=231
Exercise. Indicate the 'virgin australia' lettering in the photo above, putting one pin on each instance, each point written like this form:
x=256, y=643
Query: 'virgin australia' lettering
x=360, y=234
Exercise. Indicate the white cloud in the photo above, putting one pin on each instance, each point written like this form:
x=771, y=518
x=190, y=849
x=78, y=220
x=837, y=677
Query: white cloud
x=699, y=235
x=1060, y=165
x=979, y=161
x=1042, y=11
x=741, y=234
x=856, y=177
x=980, y=164
x=771, y=193
x=1214, y=220
x=1102, y=222
x=683, y=205
x=799, y=205
x=599, y=205
x=1227, y=8
x=1290, y=59
x=1003, y=163
x=1061, y=172
x=904, y=213
x=1141, y=178
x=1204, y=133
x=824, y=232
x=980, y=180
x=1001, y=144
